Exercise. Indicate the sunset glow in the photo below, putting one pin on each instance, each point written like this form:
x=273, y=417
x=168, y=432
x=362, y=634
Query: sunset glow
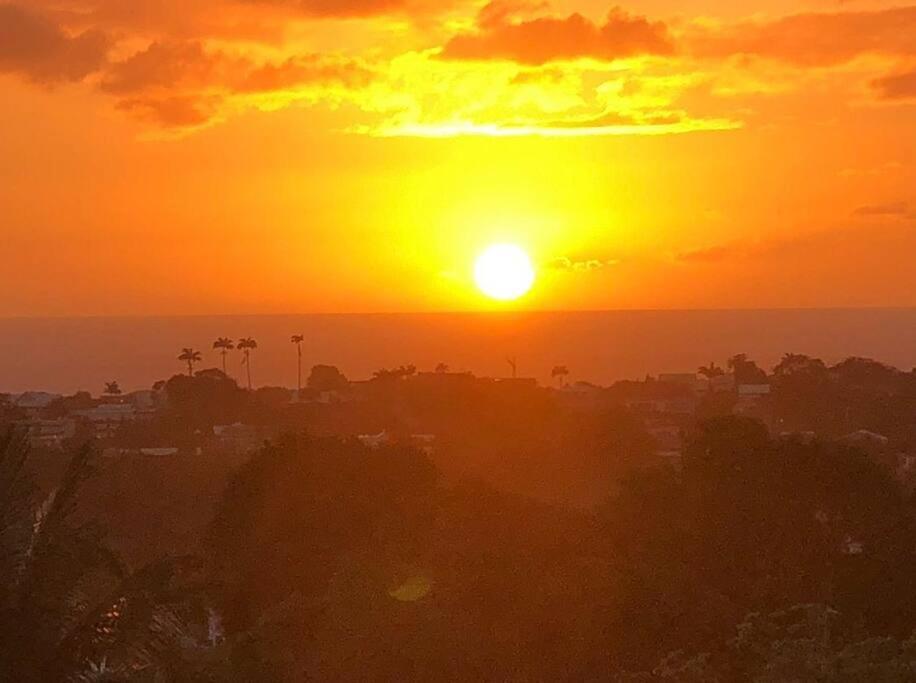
x=354, y=156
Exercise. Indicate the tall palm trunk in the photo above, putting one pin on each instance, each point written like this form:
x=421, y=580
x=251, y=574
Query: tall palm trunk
x=299, y=380
x=248, y=367
x=190, y=368
x=225, y=353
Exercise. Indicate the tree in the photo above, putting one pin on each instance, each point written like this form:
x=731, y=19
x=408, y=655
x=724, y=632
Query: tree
x=710, y=372
x=442, y=369
x=327, y=378
x=402, y=372
x=225, y=345
x=297, y=339
x=69, y=610
x=190, y=356
x=246, y=346
x=513, y=363
x=112, y=389
x=560, y=373
x=746, y=370
x=799, y=364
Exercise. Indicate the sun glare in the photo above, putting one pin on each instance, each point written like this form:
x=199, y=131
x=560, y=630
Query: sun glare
x=504, y=272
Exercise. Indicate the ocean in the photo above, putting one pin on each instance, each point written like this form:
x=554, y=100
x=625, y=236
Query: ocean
x=69, y=354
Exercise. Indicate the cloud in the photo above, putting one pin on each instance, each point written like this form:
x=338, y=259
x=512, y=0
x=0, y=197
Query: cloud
x=181, y=111
x=812, y=40
x=894, y=210
x=169, y=65
x=33, y=46
x=896, y=87
x=569, y=265
x=337, y=8
x=348, y=9
x=307, y=70
x=181, y=84
x=501, y=36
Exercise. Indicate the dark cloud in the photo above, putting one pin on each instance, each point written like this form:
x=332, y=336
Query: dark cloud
x=162, y=65
x=35, y=47
x=181, y=111
x=894, y=210
x=546, y=39
x=306, y=70
x=897, y=86
x=813, y=39
x=356, y=8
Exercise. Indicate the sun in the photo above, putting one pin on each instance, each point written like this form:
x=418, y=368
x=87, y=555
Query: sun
x=504, y=272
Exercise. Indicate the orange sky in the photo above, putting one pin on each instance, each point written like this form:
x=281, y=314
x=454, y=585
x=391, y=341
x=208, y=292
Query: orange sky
x=230, y=156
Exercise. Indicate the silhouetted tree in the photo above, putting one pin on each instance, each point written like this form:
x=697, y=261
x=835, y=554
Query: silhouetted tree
x=559, y=373
x=442, y=369
x=327, y=378
x=746, y=370
x=297, y=339
x=190, y=356
x=225, y=345
x=247, y=345
x=112, y=389
x=69, y=610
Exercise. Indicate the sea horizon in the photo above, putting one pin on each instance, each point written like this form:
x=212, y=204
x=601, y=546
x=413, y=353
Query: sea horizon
x=63, y=354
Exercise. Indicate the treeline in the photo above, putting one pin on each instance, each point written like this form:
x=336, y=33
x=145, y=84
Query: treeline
x=764, y=559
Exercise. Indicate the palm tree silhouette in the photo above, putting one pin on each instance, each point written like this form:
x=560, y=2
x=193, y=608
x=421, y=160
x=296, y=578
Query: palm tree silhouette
x=513, y=363
x=560, y=373
x=190, y=356
x=112, y=389
x=245, y=346
x=710, y=372
x=297, y=339
x=225, y=345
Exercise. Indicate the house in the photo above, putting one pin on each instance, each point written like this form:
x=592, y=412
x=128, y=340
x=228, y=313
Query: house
x=107, y=418
x=34, y=402
x=669, y=443
x=750, y=396
x=241, y=438
x=49, y=433
x=582, y=396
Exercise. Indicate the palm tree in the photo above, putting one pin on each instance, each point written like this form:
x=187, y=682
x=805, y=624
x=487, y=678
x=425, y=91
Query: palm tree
x=112, y=389
x=560, y=373
x=245, y=346
x=513, y=363
x=70, y=605
x=190, y=356
x=225, y=345
x=710, y=372
x=297, y=339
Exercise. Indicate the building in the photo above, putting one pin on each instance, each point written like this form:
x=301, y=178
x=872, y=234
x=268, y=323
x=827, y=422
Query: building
x=107, y=418
x=49, y=433
x=241, y=438
x=34, y=402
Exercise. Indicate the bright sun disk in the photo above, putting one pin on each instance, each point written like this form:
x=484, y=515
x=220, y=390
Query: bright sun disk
x=504, y=272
